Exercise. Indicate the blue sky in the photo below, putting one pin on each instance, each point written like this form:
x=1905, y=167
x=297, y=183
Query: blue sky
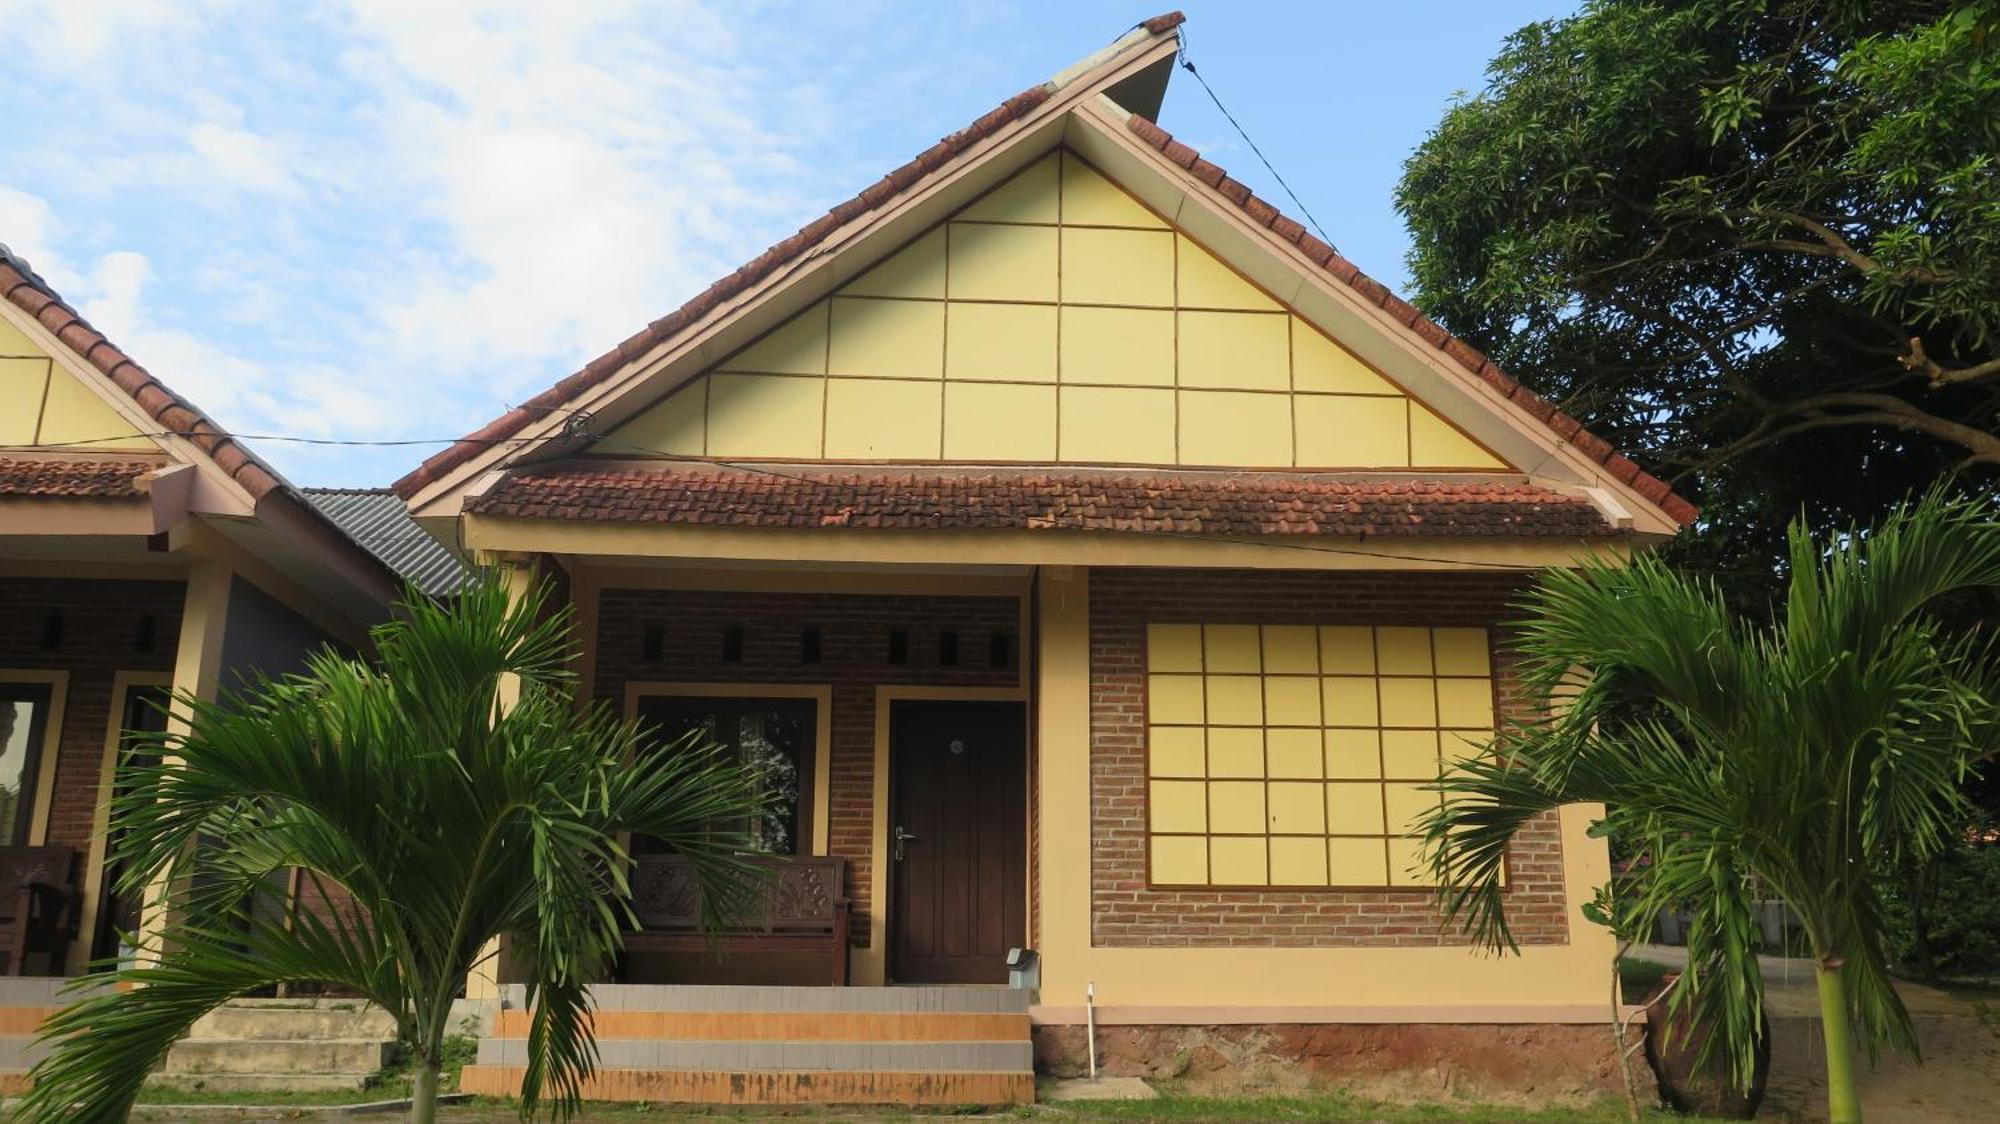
x=390, y=219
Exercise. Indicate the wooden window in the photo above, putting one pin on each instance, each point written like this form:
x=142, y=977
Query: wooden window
x=774, y=737
x=24, y=717
x=1298, y=755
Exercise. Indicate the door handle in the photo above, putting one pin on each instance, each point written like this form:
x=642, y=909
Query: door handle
x=901, y=837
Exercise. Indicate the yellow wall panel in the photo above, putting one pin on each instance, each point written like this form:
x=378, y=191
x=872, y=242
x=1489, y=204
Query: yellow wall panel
x=1353, y=809
x=1236, y=807
x=1348, y=702
x=887, y=338
x=1122, y=267
x=1406, y=864
x=1457, y=745
x=1435, y=444
x=76, y=414
x=1403, y=651
x=1176, y=751
x=1291, y=700
x=796, y=347
x=1235, y=752
x=1178, y=805
x=1236, y=700
x=1180, y=860
x=1410, y=754
x=1002, y=263
x=1296, y=808
x=1091, y=200
x=916, y=270
x=1319, y=364
x=1465, y=704
x=1291, y=648
x=1298, y=862
x=1405, y=803
x=1174, y=698
x=23, y=383
x=1293, y=753
x=883, y=419
x=1234, y=351
x=1347, y=649
x=1116, y=425
x=1204, y=282
x=1237, y=862
x=675, y=425
x=15, y=344
x=1121, y=346
x=1356, y=862
x=1173, y=647
x=1028, y=196
x=1353, y=754
x=1408, y=702
x=1231, y=647
x=765, y=416
x=1225, y=428
x=988, y=422
x=1462, y=651
x=1343, y=431
x=1003, y=342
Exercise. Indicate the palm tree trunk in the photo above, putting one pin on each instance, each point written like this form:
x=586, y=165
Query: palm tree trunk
x=424, y=1094
x=1843, y=1101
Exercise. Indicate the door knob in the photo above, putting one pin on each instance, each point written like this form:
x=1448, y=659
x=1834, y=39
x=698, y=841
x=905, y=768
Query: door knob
x=901, y=837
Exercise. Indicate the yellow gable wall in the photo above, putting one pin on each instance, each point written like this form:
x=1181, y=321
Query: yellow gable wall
x=42, y=404
x=1055, y=319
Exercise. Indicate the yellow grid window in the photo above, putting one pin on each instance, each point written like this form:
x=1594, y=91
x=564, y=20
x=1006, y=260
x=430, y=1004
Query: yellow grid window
x=1302, y=755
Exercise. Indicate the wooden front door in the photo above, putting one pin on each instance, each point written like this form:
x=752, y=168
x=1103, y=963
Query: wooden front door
x=957, y=840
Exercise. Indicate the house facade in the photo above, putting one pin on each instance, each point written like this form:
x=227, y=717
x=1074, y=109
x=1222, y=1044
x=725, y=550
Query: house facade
x=143, y=551
x=1096, y=564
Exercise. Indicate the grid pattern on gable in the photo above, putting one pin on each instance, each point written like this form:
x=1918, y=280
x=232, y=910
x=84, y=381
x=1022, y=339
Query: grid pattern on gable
x=1053, y=320
x=43, y=405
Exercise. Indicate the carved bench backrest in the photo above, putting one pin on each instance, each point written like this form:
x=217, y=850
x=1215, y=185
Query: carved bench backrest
x=21, y=867
x=799, y=896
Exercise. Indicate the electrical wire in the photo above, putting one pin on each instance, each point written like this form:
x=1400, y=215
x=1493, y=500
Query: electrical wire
x=1187, y=64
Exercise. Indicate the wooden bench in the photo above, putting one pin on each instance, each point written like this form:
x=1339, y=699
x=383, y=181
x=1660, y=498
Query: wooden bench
x=800, y=908
x=38, y=902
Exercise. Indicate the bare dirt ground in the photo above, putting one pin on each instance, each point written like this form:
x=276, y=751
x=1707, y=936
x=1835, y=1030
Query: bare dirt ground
x=1957, y=1081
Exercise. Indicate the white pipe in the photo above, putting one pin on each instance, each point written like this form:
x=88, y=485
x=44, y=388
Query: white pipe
x=1090, y=1024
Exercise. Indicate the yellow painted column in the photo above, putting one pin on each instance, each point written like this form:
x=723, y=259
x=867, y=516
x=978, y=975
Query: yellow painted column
x=197, y=672
x=1063, y=751
x=518, y=575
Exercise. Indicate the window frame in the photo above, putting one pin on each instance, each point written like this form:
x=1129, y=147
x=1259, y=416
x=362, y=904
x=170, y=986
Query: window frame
x=51, y=689
x=1381, y=781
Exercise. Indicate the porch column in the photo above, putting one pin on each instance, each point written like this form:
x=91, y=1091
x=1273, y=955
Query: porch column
x=518, y=575
x=1063, y=803
x=197, y=672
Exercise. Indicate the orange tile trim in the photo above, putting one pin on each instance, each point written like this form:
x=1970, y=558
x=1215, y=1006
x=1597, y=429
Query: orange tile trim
x=774, y=1088
x=790, y=1026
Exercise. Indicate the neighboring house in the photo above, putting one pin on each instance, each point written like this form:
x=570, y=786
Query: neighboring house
x=1098, y=564
x=143, y=551
x=377, y=519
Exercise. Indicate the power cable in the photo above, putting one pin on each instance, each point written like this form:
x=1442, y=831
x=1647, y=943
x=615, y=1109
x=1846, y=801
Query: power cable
x=1187, y=64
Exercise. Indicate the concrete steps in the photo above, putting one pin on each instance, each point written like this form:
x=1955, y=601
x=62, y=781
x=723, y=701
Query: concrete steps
x=266, y=1045
x=788, y=1045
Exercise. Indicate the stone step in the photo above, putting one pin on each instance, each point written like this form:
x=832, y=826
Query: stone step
x=272, y=1020
x=724, y=997
x=260, y=1082
x=240, y=1057
x=719, y=1087
x=766, y=1057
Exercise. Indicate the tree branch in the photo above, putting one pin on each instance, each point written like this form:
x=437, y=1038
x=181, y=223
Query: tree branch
x=1939, y=375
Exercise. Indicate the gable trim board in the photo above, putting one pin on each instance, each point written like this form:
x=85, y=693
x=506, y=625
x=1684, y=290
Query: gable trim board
x=674, y=349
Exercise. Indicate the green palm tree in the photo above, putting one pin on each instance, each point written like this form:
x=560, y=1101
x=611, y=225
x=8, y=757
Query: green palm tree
x=1796, y=760
x=449, y=793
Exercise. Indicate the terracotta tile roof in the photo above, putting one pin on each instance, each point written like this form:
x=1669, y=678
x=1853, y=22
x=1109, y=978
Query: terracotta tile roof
x=1159, y=503
x=72, y=478
x=20, y=285
x=877, y=195
x=1465, y=355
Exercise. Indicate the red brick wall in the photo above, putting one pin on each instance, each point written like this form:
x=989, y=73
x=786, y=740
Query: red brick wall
x=854, y=646
x=100, y=633
x=1125, y=912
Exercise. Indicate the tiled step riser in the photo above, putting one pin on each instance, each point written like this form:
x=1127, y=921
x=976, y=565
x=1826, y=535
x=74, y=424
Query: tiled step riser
x=725, y=1088
x=788, y=1026
x=779, y=1057
x=724, y=999
x=299, y=1024
x=238, y=1056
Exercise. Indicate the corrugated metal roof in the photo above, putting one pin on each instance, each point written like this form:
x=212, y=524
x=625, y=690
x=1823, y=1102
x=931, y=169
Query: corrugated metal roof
x=377, y=519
